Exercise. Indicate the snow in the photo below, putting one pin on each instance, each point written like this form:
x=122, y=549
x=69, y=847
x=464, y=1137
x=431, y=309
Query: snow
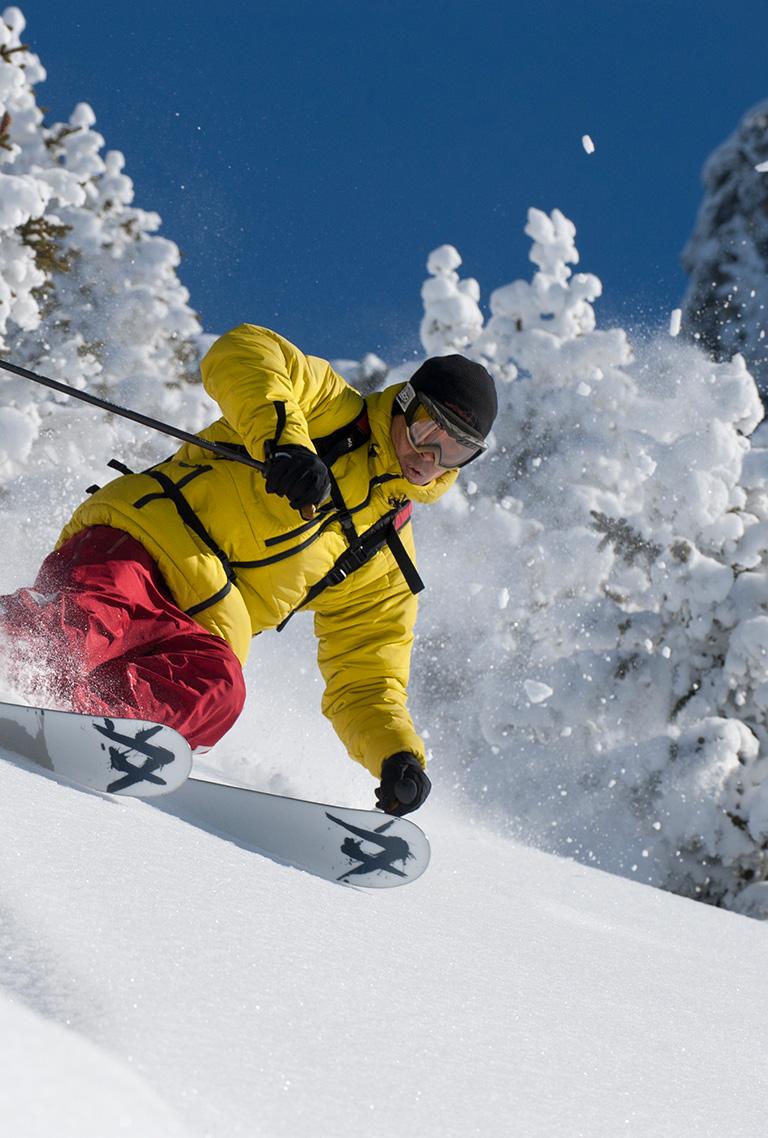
x=178, y=984
x=85, y=1091
x=17, y=435
x=536, y=691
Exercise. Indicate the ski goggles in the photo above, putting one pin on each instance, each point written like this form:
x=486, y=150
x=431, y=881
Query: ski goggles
x=431, y=427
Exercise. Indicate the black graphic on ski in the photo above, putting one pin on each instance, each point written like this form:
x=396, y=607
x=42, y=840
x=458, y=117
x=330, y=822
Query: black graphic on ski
x=157, y=757
x=392, y=848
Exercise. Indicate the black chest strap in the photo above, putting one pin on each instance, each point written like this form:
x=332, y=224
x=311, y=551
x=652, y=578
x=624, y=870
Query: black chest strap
x=331, y=448
x=172, y=490
x=383, y=532
x=400, y=554
x=346, y=439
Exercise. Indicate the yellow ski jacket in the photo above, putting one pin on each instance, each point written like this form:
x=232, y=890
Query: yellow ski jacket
x=240, y=561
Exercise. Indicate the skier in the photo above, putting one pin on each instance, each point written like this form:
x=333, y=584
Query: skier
x=148, y=603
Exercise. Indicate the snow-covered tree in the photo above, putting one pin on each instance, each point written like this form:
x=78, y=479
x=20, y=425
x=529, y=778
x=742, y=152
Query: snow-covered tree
x=115, y=272
x=552, y=310
x=616, y=610
x=23, y=196
x=452, y=318
x=727, y=254
x=89, y=293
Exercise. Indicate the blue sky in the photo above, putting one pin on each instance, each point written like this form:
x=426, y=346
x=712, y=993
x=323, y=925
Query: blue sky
x=306, y=157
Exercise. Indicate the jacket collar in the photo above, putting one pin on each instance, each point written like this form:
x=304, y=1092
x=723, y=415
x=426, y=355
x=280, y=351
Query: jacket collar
x=380, y=405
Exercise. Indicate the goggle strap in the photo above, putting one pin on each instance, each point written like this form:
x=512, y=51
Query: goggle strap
x=462, y=433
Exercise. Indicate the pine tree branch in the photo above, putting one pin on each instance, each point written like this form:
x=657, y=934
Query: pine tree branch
x=6, y=52
x=42, y=237
x=628, y=544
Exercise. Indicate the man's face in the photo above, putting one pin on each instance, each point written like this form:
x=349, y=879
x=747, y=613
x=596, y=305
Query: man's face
x=418, y=466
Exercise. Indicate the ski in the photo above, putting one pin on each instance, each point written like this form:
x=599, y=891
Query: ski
x=338, y=843
x=141, y=759
x=119, y=756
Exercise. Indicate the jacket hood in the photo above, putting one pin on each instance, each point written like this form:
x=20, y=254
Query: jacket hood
x=380, y=405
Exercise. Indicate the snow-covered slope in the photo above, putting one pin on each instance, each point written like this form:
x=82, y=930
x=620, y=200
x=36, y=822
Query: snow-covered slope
x=158, y=980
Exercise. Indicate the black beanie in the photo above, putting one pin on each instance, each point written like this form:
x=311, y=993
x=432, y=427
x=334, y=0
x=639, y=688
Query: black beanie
x=462, y=386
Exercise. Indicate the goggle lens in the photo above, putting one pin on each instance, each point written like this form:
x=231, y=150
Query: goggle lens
x=426, y=433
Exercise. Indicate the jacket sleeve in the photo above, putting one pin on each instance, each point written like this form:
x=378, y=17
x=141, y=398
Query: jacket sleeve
x=364, y=652
x=267, y=389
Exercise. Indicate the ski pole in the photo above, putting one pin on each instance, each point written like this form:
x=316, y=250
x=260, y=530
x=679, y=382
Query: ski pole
x=307, y=512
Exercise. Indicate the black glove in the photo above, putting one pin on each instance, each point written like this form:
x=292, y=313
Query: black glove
x=404, y=784
x=297, y=474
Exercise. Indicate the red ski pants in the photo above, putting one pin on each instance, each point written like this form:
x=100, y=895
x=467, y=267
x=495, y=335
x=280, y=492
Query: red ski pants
x=101, y=626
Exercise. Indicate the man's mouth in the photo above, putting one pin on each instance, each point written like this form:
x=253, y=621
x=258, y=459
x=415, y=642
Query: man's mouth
x=414, y=471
